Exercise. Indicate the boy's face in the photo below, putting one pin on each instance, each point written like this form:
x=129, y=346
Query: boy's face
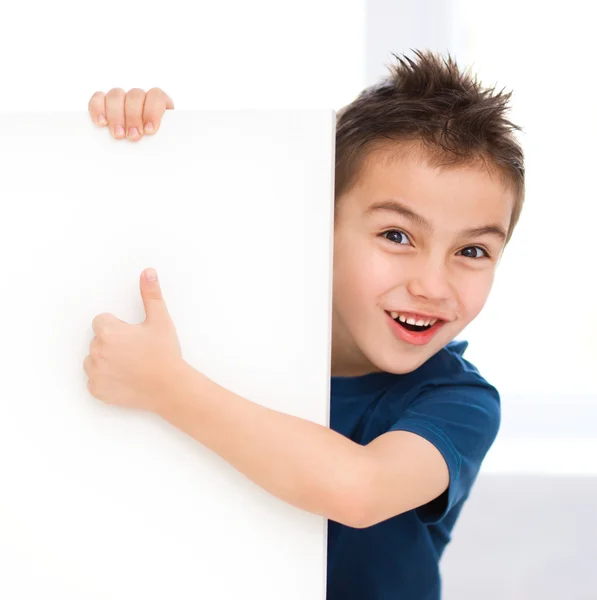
x=418, y=255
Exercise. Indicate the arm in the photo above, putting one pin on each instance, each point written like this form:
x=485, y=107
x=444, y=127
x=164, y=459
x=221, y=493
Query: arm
x=306, y=464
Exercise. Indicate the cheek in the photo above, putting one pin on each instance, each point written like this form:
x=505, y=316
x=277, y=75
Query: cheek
x=474, y=293
x=362, y=272
x=347, y=279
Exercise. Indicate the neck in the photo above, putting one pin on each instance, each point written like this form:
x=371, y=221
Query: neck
x=347, y=359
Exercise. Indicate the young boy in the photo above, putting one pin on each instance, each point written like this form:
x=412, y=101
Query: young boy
x=429, y=187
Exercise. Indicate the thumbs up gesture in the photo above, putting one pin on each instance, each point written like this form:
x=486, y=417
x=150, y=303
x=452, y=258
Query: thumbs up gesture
x=136, y=366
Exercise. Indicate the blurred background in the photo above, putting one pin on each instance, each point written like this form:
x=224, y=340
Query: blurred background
x=529, y=529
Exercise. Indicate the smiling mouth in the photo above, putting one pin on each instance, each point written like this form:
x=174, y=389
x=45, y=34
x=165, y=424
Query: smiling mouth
x=413, y=327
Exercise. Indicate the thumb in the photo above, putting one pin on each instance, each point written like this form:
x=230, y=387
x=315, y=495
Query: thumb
x=153, y=299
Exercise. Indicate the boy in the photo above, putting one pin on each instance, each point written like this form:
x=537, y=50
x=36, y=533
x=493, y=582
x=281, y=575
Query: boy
x=429, y=187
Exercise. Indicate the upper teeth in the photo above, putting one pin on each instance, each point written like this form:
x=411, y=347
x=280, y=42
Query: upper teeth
x=411, y=321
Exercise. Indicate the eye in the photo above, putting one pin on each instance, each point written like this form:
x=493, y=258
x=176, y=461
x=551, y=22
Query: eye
x=396, y=237
x=471, y=252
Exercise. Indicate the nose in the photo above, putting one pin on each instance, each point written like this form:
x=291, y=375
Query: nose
x=431, y=282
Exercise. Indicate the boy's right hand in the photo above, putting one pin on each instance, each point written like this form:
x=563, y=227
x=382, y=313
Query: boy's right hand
x=131, y=111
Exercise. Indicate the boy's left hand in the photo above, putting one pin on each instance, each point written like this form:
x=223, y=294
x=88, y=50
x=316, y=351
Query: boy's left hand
x=135, y=365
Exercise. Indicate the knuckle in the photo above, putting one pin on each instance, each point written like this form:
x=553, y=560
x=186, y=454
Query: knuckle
x=96, y=350
x=116, y=93
x=156, y=92
x=96, y=101
x=135, y=93
x=105, y=333
x=100, y=324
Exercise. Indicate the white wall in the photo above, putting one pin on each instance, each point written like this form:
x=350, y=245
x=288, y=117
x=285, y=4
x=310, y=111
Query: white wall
x=205, y=53
x=397, y=26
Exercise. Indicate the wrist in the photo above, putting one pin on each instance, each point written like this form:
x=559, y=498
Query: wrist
x=182, y=380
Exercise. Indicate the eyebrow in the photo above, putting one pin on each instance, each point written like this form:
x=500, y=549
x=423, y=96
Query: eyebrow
x=405, y=211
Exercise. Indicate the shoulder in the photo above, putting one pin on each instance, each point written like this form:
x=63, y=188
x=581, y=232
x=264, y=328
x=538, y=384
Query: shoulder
x=451, y=388
x=448, y=368
x=449, y=362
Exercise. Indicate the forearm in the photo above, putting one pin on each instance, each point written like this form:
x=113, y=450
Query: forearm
x=300, y=462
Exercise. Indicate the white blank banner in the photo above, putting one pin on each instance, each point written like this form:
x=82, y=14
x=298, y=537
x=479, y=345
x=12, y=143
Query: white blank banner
x=235, y=211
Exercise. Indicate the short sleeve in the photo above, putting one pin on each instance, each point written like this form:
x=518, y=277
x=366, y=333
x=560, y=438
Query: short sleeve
x=462, y=422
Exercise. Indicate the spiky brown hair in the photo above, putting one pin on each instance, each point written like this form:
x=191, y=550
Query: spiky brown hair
x=428, y=103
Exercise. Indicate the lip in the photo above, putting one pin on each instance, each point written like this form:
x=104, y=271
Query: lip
x=413, y=337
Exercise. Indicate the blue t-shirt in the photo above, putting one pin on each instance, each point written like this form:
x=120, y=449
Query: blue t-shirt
x=447, y=402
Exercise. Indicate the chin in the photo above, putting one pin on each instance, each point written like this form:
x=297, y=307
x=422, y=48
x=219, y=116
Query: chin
x=407, y=366
x=401, y=362
x=400, y=365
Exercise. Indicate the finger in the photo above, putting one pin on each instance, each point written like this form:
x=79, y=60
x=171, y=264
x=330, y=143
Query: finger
x=97, y=108
x=94, y=348
x=156, y=103
x=133, y=114
x=103, y=324
x=92, y=389
x=87, y=366
x=115, y=112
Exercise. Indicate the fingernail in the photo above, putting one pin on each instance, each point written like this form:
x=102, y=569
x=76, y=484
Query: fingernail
x=118, y=130
x=151, y=275
x=101, y=120
x=149, y=127
x=133, y=132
